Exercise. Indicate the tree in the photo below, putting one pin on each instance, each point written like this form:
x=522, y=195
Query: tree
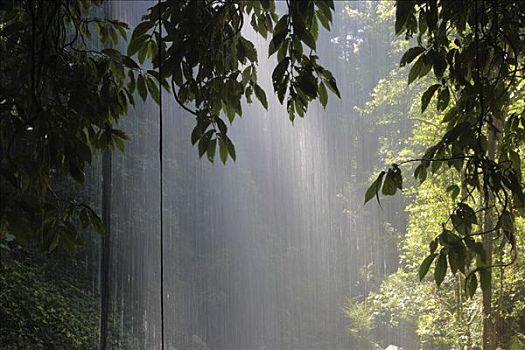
x=476, y=53
x=61, y=94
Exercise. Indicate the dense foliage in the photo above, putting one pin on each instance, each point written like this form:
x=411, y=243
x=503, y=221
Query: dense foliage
x=468, y=212
x=44, y=303
x=60, y=98
x=476, y=54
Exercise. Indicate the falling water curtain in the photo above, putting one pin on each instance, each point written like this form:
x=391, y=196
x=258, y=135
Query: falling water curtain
x=106, y=256
x=105, y=265
x=161, y=192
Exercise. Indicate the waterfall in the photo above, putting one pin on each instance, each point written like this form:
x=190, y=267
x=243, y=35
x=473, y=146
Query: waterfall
x=261, y=253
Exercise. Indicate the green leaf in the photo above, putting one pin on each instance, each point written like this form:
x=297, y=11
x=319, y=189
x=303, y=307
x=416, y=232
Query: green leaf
x=440, y=64
x=323, y=95
x=261, y=95
x=443, y=99
x=141, y=87
x=307, y=84
x=373, y=190
x=114, y=54
x=276, y=42
x=425, y=266
x=142, y=28
x=389, y=186
x=411, y=55
x=210, y=152
x=223, y=151
x=231, y=149
x=136, y=44
x=454, y=191
x=416, y=69
x=153, y=89
x=403, y=11
x=332, y=86
x=453, y=259
x=308, y=39
x=441, y=269
x=203, y=145
x=249, y=49
x=427, y=96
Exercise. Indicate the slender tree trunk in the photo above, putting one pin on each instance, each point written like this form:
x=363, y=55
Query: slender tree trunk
x=489, y=319
x=489, y=330
x=105, y=266
x=460, y=279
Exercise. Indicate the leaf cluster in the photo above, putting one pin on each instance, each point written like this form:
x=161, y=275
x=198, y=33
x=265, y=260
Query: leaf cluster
x=202, y=52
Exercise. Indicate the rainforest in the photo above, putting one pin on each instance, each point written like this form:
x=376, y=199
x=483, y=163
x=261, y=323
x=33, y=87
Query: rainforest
x=262, y=175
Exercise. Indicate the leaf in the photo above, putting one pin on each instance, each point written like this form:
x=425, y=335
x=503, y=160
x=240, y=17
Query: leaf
x=416, y=69
x=153, y=89
x=141, y=87
x=210, y=152
x=307, y=84
x=280, y=69
x=440, y=64
x=373, y=190
x=114, y=54
x=421, y=173
x=453, y=259
x=443, y=99
x=203, y=145
x=411, y=55
x=231, y=149
x=308, y=39
x=389, y=187
x=441, y=269
x=129, y=62
x=136, y=44
x=427, y=96
x=425, y=265
x=323, y=95
x=275, y=43
x=249, y=49
x=332, y=86
x=454, y=191
x=223, y=151
x=261, y=95
x=142, y=28
x=403, y=11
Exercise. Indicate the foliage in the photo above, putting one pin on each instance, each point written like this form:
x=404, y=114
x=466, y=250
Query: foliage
x=441, y=317
x=476, y=54
x=206, y=56
x=43, y=306
x=60, y=98
x=48, y=301
x=61, y=95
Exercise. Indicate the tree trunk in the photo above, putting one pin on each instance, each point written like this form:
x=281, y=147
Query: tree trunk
x=105, y=266
x=489, y=337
